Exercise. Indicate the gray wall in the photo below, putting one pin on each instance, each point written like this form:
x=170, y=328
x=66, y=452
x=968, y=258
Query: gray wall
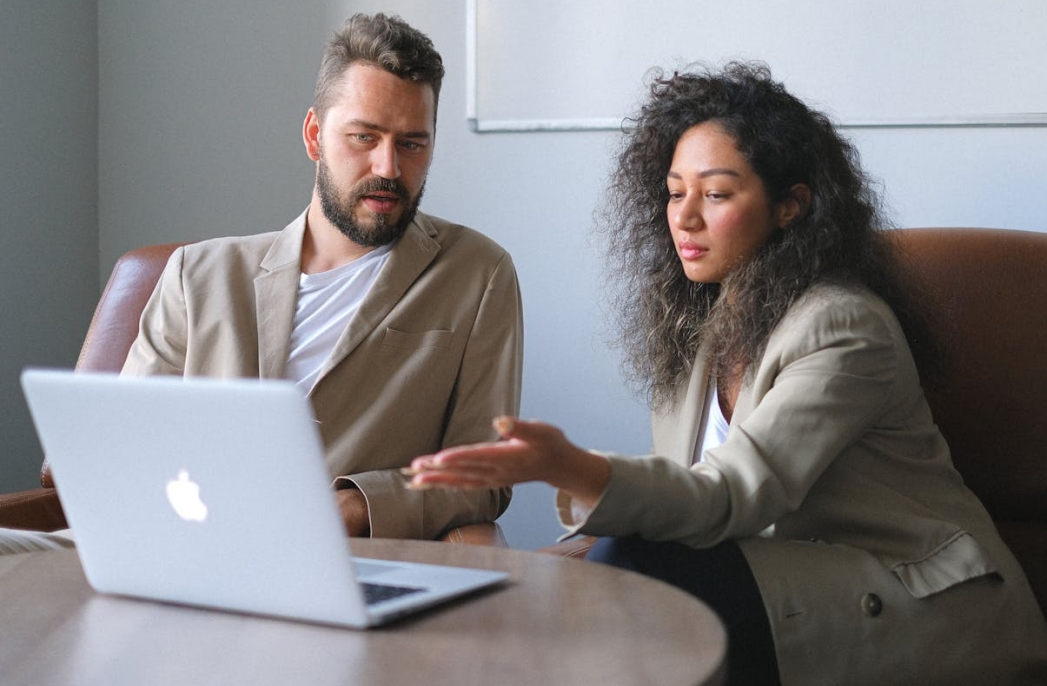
x=199, y=135
x=48, y=200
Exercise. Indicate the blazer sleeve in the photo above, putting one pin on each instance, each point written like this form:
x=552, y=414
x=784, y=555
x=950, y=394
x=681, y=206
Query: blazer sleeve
x=488, y=384
x=161, y=344
x=489, y=380
x=827, y=375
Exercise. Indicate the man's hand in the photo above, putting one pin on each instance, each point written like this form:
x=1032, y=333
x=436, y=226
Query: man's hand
x=354, y=511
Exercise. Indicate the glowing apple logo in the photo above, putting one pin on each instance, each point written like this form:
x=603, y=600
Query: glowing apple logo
x=184, y=496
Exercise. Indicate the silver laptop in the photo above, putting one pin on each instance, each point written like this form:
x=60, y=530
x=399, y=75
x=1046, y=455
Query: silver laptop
x=215, y=493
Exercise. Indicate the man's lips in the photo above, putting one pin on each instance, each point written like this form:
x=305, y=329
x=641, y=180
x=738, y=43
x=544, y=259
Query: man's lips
x=381, y=203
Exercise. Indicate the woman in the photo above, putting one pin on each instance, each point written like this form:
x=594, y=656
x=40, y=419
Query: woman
x=799, y=484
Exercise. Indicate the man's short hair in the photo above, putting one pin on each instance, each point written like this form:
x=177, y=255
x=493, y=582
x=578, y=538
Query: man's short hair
x=385, y=42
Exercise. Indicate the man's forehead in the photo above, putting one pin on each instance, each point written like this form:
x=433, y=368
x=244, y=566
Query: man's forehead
x=370, y=93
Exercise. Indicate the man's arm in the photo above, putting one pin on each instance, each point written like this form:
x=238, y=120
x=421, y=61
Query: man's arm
x=490, y=378
x=488, y=384
x=353, y=505
x=160, y=347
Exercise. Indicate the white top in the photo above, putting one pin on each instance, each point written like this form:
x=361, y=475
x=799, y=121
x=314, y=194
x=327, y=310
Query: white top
x=326, y=303
x=713, y=431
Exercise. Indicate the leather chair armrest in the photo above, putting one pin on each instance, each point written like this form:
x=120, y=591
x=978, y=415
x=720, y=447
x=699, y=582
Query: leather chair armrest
x=483, y=533
x=1026, y=540
x=37, y=509
x=572, y=547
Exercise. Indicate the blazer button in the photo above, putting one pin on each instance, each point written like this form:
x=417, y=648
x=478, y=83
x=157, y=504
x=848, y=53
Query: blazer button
x=872, y=606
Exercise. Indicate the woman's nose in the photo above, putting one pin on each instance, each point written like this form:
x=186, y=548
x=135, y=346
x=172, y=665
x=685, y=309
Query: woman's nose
x=686, y=215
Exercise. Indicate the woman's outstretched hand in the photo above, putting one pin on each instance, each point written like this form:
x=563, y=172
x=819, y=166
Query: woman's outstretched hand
x=529, y=451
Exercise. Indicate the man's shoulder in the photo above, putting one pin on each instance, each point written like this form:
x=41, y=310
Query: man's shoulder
x=457, y=238
x=258, y=243
x=249, y=248
x=236, y=254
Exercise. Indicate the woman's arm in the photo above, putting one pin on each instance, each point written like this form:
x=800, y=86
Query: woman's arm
x=529, y=451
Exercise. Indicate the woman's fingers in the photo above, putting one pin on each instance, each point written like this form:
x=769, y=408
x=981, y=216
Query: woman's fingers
x=535, y=433
x=443, y=480
x=522, y=455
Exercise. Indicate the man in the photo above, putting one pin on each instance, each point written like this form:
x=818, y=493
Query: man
x=405, y=330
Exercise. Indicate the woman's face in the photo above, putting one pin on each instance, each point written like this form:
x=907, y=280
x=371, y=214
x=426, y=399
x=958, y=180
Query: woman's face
x=718, y=210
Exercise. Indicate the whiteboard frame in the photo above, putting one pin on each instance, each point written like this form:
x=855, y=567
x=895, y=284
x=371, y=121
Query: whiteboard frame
x=480, y=125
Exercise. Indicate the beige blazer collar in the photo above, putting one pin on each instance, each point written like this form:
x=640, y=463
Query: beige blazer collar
x=676, y=428
x=276, y=292
x=413, y=252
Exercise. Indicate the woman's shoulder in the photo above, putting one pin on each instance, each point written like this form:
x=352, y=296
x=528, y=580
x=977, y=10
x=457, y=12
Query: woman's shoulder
x=835, y=308
x=833, y=297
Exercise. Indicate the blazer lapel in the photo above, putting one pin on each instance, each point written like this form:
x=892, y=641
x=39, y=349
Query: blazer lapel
x=276, y=292
x=415, y=250
x=676, y=429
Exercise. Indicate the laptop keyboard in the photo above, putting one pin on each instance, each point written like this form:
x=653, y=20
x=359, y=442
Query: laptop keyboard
x=376, y=593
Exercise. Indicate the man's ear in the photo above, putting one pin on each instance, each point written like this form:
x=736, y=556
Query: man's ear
x=795, y=205
x=311, y=135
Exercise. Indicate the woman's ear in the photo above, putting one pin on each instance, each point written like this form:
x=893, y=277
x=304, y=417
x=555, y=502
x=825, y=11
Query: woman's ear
x=795, y=205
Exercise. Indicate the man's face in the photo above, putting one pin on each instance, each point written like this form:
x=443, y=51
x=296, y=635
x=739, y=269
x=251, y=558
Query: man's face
x=373, y=147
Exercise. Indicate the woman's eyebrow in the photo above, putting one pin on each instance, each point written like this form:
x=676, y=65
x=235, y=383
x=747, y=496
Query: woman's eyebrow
x=719, y=171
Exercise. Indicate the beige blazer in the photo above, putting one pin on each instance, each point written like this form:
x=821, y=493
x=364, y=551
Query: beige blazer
x=433, y=353
x=876, y=564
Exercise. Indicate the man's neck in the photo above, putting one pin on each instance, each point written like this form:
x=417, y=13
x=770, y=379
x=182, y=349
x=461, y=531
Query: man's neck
x=324, y=247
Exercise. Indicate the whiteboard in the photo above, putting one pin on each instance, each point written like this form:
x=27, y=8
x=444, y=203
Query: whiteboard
x=581, y=64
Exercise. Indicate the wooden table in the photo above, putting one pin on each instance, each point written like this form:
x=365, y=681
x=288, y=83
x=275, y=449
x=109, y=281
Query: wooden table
x=558, y=621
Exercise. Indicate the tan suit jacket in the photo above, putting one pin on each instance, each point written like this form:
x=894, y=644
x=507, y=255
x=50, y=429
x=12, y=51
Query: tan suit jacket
x=876, y=564
x=431, y=356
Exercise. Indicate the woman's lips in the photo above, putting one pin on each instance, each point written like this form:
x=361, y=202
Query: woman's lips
x=690, y=251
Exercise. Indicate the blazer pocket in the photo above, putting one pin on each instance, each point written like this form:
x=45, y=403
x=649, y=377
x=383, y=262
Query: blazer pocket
x=958, y=559
x=439, y=339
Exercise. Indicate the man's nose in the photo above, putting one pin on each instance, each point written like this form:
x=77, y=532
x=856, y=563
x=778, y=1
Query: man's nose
x=385, y=160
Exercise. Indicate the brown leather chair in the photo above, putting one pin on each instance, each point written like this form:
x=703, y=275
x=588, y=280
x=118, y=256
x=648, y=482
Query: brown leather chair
x=987, y=300
x=109, y=337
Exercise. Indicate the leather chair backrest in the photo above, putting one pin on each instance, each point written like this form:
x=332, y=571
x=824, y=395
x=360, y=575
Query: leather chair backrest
x=988, y=296
x=987, y=292
x=115, y=323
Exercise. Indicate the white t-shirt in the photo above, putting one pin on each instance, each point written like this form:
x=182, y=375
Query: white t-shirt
x=326, y=303
x=714, y=431
x=711, y=434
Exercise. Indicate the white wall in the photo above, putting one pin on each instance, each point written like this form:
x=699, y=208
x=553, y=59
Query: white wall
x=48, y=195
x=199, y=135
x=857, y=57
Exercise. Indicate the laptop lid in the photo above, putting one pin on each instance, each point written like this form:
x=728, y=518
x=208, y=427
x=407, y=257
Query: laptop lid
x=213, y=493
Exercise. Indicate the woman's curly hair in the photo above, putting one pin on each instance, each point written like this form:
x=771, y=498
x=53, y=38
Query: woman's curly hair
x=663, y=317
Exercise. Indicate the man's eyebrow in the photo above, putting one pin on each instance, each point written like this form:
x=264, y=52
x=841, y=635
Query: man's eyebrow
x=718, y=171
x=383, y=129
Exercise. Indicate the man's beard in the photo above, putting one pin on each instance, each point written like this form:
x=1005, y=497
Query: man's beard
x=339, y=210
